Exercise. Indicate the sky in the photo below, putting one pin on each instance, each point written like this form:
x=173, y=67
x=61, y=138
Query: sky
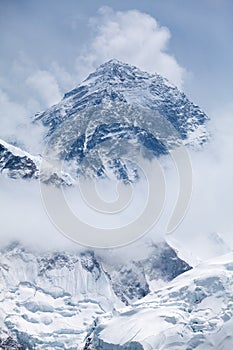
x=49, y=46
x=55, y=43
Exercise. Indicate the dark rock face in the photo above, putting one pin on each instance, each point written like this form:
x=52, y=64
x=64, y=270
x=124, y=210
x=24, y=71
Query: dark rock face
x=164, y=264
x=56, y=261
x=90, y=263
x=116, y=81
x=130, y=281
x=11, y=344
x=17, y=166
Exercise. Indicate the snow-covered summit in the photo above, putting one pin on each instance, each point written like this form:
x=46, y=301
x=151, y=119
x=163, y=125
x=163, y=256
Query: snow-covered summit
x=121, y=74
x=117, y=112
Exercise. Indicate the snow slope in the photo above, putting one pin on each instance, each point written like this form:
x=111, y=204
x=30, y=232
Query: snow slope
x=195, y=311
x=51, y=300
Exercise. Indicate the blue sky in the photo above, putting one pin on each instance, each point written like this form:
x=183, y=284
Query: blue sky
x=52, y=41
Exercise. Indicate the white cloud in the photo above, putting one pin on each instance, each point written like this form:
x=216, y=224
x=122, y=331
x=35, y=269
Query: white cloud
x=24, y=219
x=132, y=37
x=210, y=210
x=212, y=201
x=65, y=80
x=9, y=108
x=33, y=90
x=16, y=124
x=46, y=86
x=12, y=116
x=138, y=39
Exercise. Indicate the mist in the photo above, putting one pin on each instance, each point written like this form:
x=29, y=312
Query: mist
x=211, y=206
x=24, y=218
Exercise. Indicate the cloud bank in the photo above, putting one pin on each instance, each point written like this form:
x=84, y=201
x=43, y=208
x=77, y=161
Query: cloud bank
x=16, y=123
x=46, y=86
x=210, y=212
x=132, y=37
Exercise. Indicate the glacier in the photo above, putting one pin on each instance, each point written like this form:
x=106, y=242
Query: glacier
x=194, y=311
x=51, y=300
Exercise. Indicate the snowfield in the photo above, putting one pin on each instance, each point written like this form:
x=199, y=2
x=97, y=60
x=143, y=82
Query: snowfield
x=52, y=300
x=195, y=311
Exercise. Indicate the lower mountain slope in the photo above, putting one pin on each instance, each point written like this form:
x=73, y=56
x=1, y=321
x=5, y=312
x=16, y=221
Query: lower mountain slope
x=52, y=300
x=195, y=311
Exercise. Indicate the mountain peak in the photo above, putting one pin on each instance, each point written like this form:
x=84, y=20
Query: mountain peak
x=118, y=71
x=114, y=61
x=117, y=104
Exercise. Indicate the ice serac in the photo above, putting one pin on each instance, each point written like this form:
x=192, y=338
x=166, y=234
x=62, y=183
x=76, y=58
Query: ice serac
x=50, y=301
x=195, y=311
x=117, y=109
x=53, y=300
